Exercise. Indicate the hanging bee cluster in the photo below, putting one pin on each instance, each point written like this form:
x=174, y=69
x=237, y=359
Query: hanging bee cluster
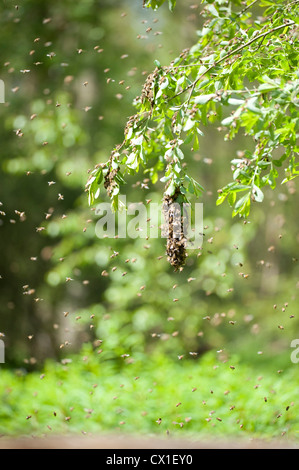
x=130, y=123
x=175, y=221
x=109, y=181
x=148, y=87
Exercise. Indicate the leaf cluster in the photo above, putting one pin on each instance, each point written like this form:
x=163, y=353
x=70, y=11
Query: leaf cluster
x=241, y=76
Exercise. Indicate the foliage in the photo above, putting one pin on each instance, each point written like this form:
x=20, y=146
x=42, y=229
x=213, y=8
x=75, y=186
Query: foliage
x=63, y=290
x=154, y=4
x=200, y=398
x=242, y=74
x=59, y=118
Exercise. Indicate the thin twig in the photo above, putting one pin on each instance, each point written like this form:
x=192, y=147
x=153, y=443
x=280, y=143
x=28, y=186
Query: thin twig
x=247, y=7
x=229, y=54
x=292, y=3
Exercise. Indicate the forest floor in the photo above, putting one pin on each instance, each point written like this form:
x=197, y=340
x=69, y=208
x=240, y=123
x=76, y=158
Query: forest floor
x=132, y=442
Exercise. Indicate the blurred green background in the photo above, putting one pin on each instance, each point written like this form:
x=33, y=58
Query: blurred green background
x=71, y=72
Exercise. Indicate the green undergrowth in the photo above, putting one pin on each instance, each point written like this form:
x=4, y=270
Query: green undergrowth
x=193, y=397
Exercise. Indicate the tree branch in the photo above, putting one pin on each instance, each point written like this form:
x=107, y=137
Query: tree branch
x=247, y=8
x=229, y=54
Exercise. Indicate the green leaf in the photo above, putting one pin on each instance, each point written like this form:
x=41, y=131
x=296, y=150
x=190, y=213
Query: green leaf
x=179, y=153
x=251, y=106
x=266, y=87
x=235, y=101
x=119, y=178
x=227, y=121
x=171, y=4
x=232, y=198
x=212, y=10
x=189, y=124
x=154, y=4
x=194, y=187
x=258, y=194
x=189, y=138
x=221, y=198
x=171, y=189
x=204, y=82
x=242, y=206
x=203, y=99
x=132, y=161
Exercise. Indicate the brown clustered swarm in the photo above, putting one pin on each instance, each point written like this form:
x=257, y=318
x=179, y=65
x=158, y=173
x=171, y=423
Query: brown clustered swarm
x=147, y=90
x=130, y=123
x=176, y=246
x=109, y=183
